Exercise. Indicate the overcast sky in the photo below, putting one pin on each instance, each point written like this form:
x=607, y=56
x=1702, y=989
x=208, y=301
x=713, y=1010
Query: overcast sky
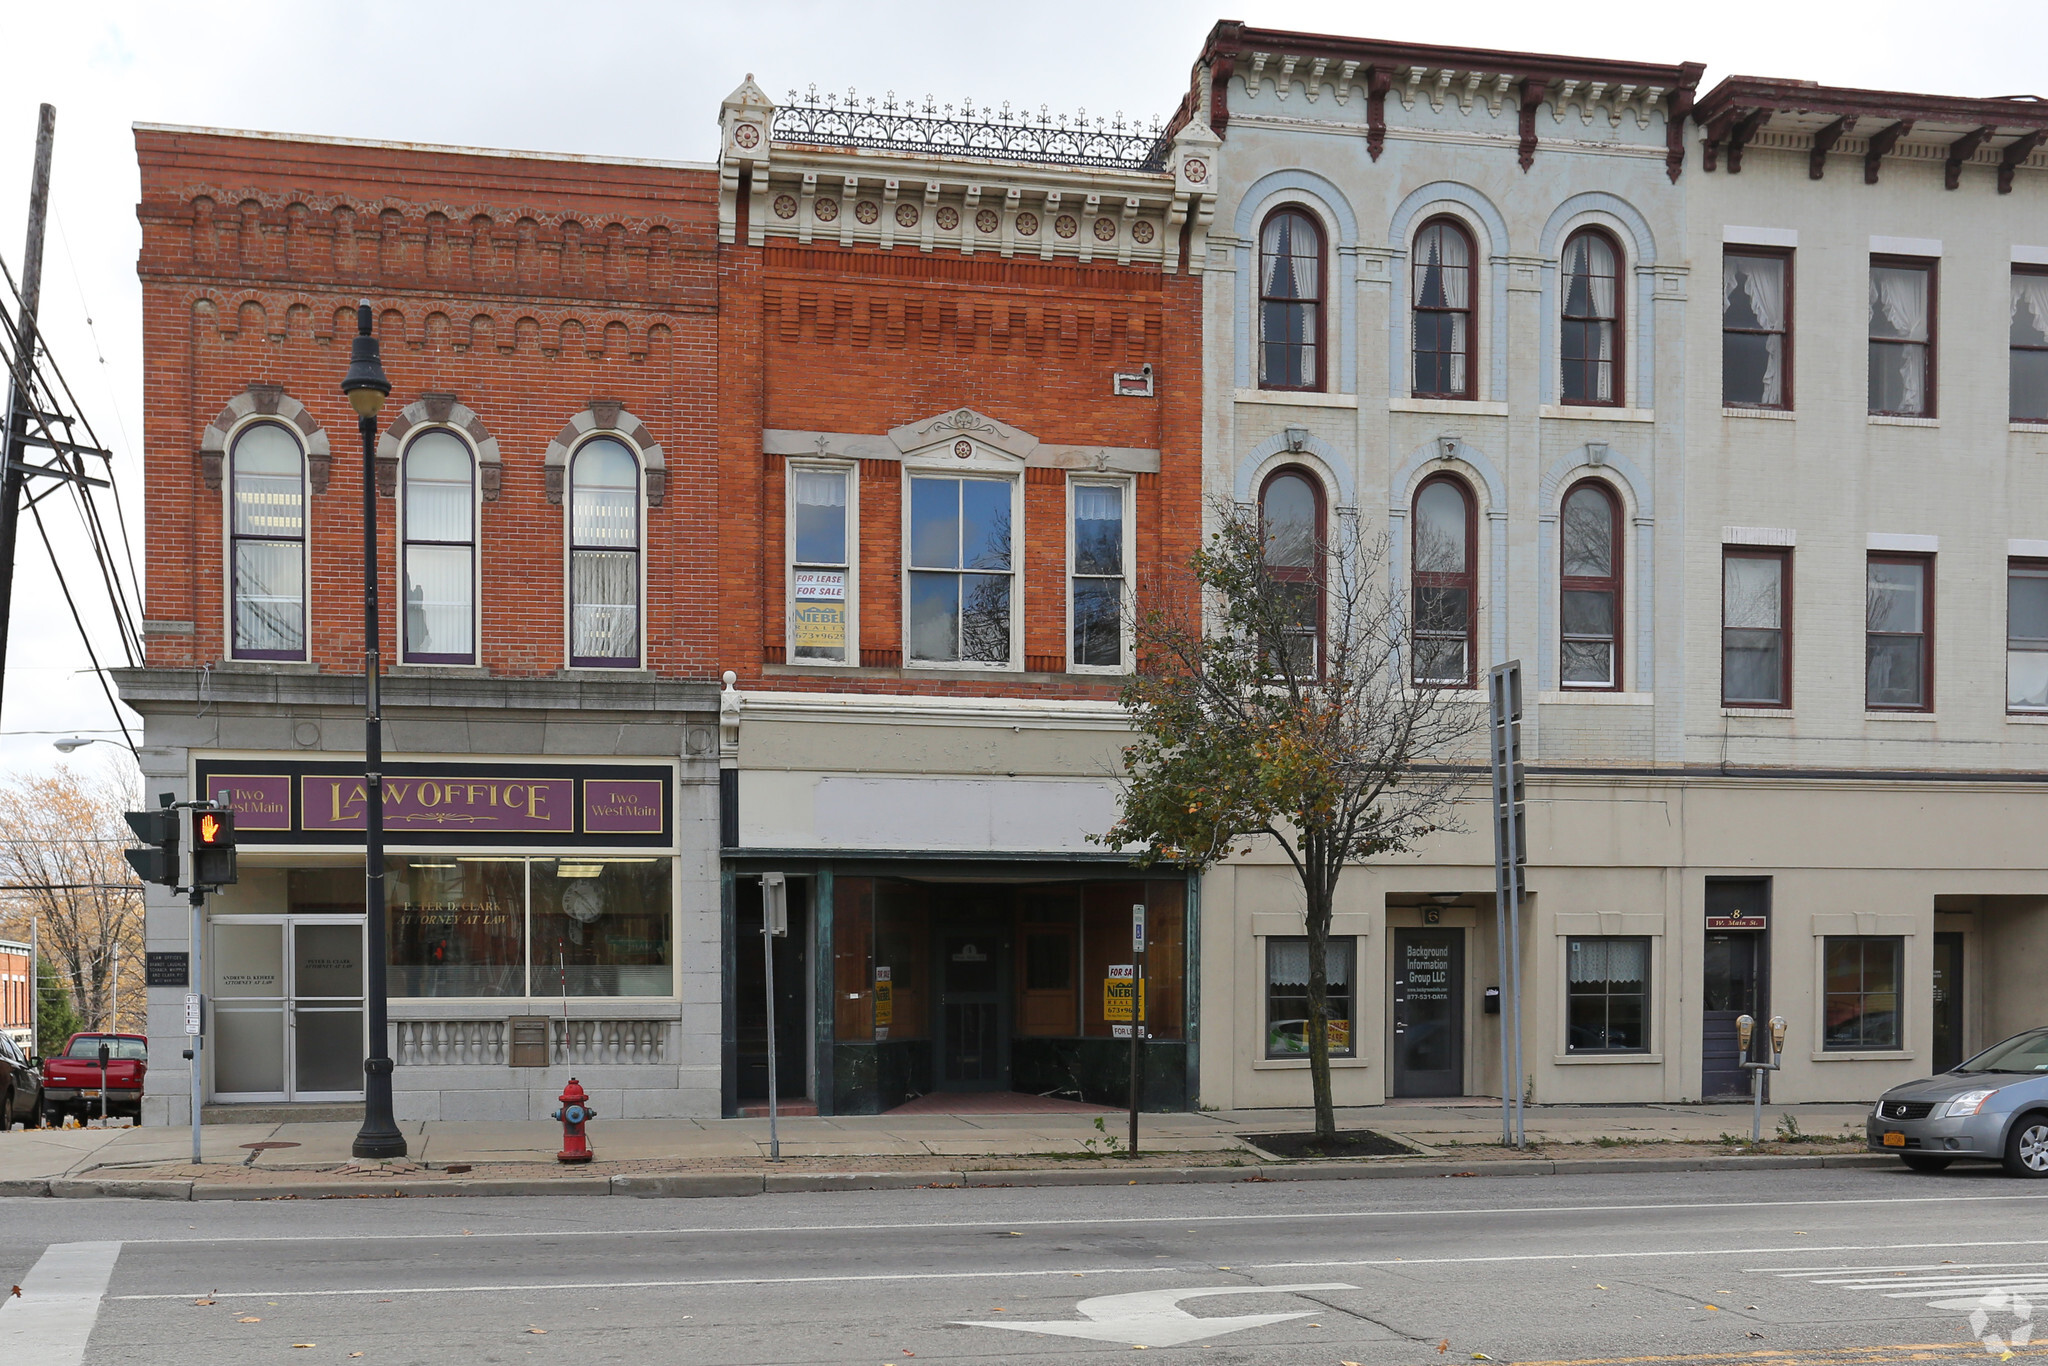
x=644, y=80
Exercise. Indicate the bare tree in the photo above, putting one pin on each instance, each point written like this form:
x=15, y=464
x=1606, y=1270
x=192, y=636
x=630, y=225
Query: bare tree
x=61, y=842
x=1273, y=699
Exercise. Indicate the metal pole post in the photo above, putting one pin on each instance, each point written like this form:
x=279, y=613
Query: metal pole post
x=114, y=1010
x=1503, y=879
x=1515, y=938
x=379, y=1137
x=193, y=982
x=35, y=987
x=1756, y=1100
x=768, y=977
x=1137, y=1041
x=19, y=399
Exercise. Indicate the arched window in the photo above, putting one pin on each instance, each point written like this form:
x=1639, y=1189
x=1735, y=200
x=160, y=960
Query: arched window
x=604, y=555
x=267, y=501
x=1442, y=274
x=1589, y=605
x=1291, y=302
x=440, y=549
x=1291, y=527
x=1446, y=588
x=1590, y=332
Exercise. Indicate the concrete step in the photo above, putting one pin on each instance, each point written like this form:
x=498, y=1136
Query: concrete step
x=301, y=1112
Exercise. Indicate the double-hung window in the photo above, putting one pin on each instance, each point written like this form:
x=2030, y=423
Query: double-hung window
x=1589, y=610
x=604, y=555
x=1442, y=281
x=820, y=568
x=962, y=570
x=1096, y=583
x=2026, y=636
x=2029, y=401
x=1756, y=329
x=1899, y=633
x=1756, y=627
x=1590, y=326
x=1607, y=994
x=1901, y=336
x=1287, y=995
x=1290, y=302
x=267, y=511
x=1860, y=991
x=1291, y=551
x=1446, y=586
x=440, y=549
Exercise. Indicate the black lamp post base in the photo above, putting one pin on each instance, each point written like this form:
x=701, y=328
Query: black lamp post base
x=380, y=1145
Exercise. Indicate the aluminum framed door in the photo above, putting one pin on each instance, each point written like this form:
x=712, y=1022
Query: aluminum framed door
x=327, y=1038
x=287, y=1018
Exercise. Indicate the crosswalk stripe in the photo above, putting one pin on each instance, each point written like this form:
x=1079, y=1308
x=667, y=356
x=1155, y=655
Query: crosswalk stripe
x=51, y=1322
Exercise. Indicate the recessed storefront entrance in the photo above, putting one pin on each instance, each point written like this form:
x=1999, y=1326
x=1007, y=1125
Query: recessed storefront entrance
x=1736, y=981
x=974, y=1020
x=288, y=1008
x=1429, y=1012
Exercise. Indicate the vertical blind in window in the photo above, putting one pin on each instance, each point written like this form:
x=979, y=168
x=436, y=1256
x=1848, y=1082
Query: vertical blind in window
x=604, y=554
x=1753, y=331
x=1590, y=323
x=1900, y=353
x=1098, y=583
x=440, y=550
x=268, y=529
x=1290, y=302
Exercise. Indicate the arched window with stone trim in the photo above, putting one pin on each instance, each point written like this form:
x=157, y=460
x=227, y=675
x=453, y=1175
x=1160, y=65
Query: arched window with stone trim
x=1443, y=311
x=1589, y=587
x=1443, y=642
x=1590, y=332
x=1291, y=276
x=604, y=555
x=1291, y=529
x=439, y=550
x=267, y=534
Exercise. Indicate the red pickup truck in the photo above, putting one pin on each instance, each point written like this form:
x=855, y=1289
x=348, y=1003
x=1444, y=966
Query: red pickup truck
x=72, y=1080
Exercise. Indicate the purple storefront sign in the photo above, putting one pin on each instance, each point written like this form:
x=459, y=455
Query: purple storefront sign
x=523, y=805
x=261, y=801
x=615, y=806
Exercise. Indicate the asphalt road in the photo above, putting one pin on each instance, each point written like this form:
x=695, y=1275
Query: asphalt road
x=1741, y=1267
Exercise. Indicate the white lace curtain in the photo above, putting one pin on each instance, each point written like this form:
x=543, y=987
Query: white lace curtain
x=2031, y=292
x=1293, y=258
x=821, y=488
x=1591, y=268
x=1623, y=962
x=1443, y=272
x=1762, y=282
x=1287, y=964
x=1098, y=503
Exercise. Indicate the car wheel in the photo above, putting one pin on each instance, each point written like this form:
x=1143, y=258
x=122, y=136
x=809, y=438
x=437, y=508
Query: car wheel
x=1920, y=1162
x=2026, y=1148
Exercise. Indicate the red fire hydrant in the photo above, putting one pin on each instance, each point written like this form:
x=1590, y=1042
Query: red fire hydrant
x=574, y=1114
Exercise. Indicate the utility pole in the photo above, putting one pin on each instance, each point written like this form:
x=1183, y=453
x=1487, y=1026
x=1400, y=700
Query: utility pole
x=19, y=398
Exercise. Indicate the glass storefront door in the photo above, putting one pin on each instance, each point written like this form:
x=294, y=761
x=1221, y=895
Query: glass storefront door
x=287, y=1019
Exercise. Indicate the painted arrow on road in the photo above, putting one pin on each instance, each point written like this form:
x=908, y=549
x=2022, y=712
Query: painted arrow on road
x=1154, y=1318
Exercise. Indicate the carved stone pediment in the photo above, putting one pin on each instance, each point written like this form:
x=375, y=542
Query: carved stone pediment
x=979, y=433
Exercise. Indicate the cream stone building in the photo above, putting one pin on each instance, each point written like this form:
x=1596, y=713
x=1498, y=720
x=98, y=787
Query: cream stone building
x=1479, y=302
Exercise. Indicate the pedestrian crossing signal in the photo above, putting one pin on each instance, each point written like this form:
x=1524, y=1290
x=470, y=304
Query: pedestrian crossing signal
x=213, y=847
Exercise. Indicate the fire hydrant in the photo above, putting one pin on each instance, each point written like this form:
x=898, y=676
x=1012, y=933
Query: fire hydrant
x=574, y=1114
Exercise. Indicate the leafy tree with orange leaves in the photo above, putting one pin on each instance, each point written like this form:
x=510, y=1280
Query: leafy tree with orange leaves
x=1272, y=699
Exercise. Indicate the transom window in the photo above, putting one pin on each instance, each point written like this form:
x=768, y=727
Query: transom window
x=1901, y=336
x=1899, y=633
x=1445, y=584
x=962, y=564
x=1756, y=627
x=1291, y=528
x=1290, y=302
x=2029, y=345
x=1590, y=607
x=440, y=549
x=1097, y=580
x=820, y=572
x=2026, y=635
x=267, y=511
x=1442, y=275
x=604, y=555
x=1756, y=329
x=1590, y=329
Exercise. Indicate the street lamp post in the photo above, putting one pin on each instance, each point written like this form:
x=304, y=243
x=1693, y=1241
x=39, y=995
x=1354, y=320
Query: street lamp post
x=366, y=387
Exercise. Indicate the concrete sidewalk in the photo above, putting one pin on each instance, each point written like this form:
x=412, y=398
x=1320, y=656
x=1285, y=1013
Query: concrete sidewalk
x=904, y=1142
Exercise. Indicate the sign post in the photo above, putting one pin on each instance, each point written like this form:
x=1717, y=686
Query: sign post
x=1510, y=852
x=774, y=925
x=1137, y=1015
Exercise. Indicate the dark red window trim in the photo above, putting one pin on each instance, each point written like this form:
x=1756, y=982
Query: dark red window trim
x=2017, y=564
x=1932, y=266
x=1315, y=575
x=2025, y=347
x=1467, y=579
x=1926, y=702
x=1586, y=583
x=1317, y=382
x=1783, y=555
x=1417, y=310
x=1618, y=363
x=1788, y=256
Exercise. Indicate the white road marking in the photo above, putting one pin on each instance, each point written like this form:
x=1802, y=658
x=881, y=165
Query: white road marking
x=1094, y=1222
x=1955, y=1288
x=60, y=1301
x=1154, y=1318
x=1086, y=1271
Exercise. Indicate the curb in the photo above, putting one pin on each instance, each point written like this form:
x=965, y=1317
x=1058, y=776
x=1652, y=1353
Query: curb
x=702, y=1185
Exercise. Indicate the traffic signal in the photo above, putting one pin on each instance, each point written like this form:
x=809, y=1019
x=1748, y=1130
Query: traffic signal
x=213, y=847
x=158, y=830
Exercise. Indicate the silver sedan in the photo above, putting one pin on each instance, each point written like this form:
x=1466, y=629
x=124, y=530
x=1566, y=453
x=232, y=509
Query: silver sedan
x=1995, y=1107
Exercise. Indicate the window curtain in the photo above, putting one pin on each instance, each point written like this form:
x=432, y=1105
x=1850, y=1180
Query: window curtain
x=1596, y=263
x=2032, y=292
x=1900, y=297
x=820, y=488
x=606, y=623
x=1098, y=503
x=1623, y=962
x=1287, y=964
x=1763, y=284
x=1291, y=273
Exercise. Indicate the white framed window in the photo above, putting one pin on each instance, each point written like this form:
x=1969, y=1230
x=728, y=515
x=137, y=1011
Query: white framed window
x=1098, y=559
x=823, y=592
x=604, y=555
x=267, y=536
x=437, y=548
x=962, y=570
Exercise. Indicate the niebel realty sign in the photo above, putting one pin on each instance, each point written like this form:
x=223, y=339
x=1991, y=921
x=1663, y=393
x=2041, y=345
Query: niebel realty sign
x=456, y=803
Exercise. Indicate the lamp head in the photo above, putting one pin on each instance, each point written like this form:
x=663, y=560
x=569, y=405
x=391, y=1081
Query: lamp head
x=1745, y=1028
x=69, y=743
x=365, y=383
